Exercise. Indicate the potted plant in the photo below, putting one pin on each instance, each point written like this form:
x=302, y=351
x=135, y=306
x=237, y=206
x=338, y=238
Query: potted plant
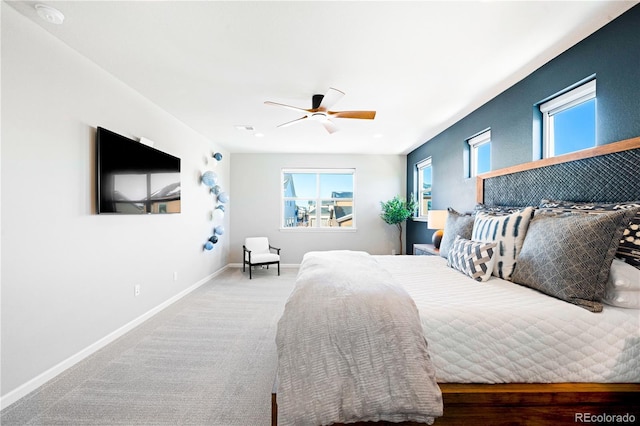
x=396, y=211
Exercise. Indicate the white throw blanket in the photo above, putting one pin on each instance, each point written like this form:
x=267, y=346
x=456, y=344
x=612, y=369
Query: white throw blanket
x=351, y=347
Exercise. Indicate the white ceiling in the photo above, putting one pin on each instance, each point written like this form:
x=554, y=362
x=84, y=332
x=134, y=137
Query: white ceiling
x=421, y=65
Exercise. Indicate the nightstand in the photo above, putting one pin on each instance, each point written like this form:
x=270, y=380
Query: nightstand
x=425, y=250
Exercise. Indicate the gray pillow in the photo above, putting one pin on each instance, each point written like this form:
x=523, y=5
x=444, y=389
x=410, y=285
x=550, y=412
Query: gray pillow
x=629, y=246
x=568, y=255
x=456, y=224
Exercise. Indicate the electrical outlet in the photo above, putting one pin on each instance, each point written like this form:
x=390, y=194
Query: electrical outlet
x=136, y=290
x=175, y=276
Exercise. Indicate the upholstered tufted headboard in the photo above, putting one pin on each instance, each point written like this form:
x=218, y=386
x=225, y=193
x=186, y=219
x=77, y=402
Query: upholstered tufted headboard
x=606, y=173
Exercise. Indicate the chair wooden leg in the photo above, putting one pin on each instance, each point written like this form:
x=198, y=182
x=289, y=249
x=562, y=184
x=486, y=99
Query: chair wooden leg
x=278, y=268
x=249, y=271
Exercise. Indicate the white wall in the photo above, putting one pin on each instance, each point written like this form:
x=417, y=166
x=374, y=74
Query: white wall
x=68, y=274
x=256, y=187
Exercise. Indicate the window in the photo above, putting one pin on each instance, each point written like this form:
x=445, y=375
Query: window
x=318, y=198
x=424, y=173
x=480, y=152
x=569, y=121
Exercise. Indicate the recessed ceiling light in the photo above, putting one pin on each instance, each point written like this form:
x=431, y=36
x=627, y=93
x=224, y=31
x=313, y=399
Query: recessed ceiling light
x=49, y=14
x=259, y=135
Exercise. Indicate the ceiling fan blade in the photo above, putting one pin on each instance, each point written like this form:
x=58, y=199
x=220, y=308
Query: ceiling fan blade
x=289, y=123
x=328, y=124
x=366, y=115
x=330, y=98
x=294, y=108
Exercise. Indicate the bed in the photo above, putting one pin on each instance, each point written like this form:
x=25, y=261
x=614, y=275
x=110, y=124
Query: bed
x=542, y=360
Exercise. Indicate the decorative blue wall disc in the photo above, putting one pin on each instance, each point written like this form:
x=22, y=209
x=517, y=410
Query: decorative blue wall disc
x=210, y=178
x=223, y=197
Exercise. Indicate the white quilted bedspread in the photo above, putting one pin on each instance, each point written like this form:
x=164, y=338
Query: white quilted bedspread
x=350, y=347
x=500, y=332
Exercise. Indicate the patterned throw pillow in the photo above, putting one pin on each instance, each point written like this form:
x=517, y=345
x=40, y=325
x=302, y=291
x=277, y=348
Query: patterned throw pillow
x=472, y=258
x=508, y=231
x=629, y=246
x=568, y=255
x=496, y=210
x=456, y=224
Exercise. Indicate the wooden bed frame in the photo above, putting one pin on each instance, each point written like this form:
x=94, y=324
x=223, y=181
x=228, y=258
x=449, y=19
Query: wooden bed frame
x=524, y=404
x=532, y=403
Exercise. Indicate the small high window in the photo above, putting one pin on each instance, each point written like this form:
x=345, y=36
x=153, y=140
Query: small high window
x=424, y=172
x=569, y=121
x=480, y=153
x=318, y=198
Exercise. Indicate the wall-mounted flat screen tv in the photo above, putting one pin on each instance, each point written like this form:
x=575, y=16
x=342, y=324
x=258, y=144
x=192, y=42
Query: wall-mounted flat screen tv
x=134, y=178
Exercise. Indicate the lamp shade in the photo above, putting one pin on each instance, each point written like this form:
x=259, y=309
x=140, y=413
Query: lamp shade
x=436, y=219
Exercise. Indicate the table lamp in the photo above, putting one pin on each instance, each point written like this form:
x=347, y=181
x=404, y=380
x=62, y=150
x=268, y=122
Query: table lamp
x=436, y=219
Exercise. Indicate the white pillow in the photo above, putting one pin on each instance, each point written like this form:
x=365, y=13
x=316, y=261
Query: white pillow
x=623, y=276
x=622, y=298
x=507, y=232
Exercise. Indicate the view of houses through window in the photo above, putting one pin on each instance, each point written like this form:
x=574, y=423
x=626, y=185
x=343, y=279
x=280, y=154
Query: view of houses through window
x=424, y=186
x=318, y=198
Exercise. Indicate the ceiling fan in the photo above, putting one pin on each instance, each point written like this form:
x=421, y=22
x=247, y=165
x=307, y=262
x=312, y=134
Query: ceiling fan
x=320, y=110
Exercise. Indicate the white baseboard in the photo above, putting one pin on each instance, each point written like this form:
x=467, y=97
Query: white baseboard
x=282, y=265
x=40, y=380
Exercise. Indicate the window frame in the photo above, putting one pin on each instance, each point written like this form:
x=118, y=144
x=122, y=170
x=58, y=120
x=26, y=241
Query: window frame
x=419, y=167
x=563, y=102
x=318, y=200
x=475, y=142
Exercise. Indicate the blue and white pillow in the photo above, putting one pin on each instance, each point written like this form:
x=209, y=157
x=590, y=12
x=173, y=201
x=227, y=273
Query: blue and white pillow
x=508, y=232
x=472, y=258
x=496, y=210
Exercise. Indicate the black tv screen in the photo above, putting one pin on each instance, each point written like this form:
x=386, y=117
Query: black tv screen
x=134, y=178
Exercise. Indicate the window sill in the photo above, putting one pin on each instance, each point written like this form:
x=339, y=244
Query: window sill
x=419, y=219
x=304, y=229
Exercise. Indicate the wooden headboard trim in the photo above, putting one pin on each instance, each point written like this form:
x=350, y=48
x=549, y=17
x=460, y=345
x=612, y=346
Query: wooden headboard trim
x=578, y=155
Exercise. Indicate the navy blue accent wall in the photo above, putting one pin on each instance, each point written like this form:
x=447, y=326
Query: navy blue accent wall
x=612, y=54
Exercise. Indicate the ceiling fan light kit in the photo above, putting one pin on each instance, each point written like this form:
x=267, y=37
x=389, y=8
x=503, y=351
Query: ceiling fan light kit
x=320, y=111
x=49, y=14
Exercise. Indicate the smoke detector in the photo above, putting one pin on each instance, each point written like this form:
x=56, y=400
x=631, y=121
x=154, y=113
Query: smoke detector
x=244, y=127
x=49, y=14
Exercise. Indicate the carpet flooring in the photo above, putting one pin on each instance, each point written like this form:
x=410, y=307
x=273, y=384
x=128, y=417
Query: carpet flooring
x=208, y=359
